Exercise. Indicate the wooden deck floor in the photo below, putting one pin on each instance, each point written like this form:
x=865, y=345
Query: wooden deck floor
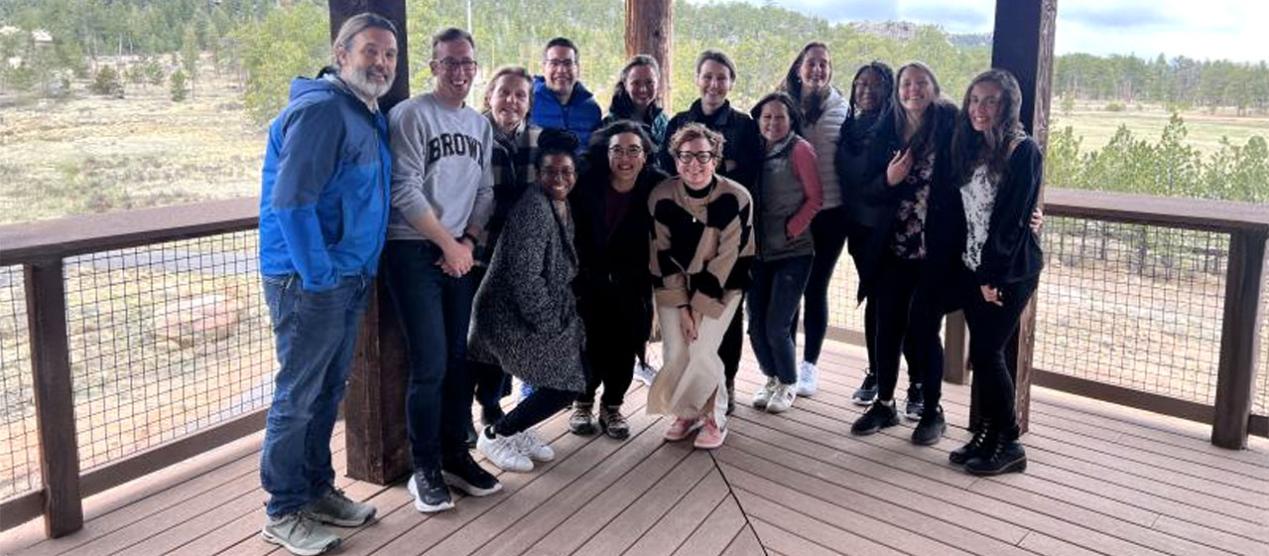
x=1102, y=479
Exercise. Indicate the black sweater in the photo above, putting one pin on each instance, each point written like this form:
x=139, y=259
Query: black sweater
x=1012, y=251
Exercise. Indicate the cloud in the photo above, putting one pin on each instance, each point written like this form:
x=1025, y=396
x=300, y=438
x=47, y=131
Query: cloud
x=1119, y=17
x=949, y=15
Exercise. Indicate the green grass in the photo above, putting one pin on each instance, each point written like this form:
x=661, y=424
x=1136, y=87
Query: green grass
x=1097, y=125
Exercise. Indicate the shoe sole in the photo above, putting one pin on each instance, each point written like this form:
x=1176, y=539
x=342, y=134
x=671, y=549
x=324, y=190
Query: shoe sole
x=689, y=432
x=617, y=435
x=931, y=441
x=344, y=522
x=1016, y=466
x=912, y=416
x=713, y=446
x=875, y=430
x=422, y=506
x=863, y=402
x=297, y=550
x=469, y=489
x=587, y=430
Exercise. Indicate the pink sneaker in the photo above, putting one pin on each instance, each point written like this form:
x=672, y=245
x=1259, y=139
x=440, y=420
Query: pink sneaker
x=681, y=428
x=710, y=436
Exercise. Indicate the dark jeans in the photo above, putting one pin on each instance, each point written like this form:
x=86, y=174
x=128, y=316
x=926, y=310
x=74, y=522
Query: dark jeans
x=435, y=310
x=828, y=229
x=773, y=302
x=733, y=342
x=903, y=322
x=538, y=407
x=990, y=329
x=315, y=336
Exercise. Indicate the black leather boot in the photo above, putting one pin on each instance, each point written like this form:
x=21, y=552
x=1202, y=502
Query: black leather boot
x=983, y=438
x=1005, y=456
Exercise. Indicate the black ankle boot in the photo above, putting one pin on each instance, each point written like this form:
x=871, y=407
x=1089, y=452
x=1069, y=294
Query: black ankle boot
x=1005, y=456
x=982, y=440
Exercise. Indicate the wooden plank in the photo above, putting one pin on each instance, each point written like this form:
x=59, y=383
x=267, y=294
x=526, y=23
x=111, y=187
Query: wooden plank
x=1240, y=340
x=650, y=30
x=745, y=544
x=956, y=349
x=812, y=532
x=90, y=233
x=897, y=535
x=54, y=397
x=683, y=519
x=1050, y=546
x=1174, y=212
x=630, y=524
x=375, y=399
x=564, y=504
x=604, y=508
x=1130, y=397
x=717, y=532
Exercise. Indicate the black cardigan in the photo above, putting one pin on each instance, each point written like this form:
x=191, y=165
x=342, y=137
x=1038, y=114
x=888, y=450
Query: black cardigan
x=612, y=261
x=1012, y=251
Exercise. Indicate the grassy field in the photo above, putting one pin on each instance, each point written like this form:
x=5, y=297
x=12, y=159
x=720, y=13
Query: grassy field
x=1097, y=125
x=89, y=153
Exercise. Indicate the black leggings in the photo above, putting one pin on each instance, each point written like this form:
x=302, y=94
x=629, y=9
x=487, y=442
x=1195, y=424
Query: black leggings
x=828, y=230
x=538, y=407
x=991, y=327
x=733, y=342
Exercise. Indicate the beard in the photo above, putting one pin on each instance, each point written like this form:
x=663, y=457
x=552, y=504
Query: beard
x=359, y=81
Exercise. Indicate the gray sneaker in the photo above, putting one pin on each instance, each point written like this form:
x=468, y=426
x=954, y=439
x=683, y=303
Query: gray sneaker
x=299, y=533
x=337, y=509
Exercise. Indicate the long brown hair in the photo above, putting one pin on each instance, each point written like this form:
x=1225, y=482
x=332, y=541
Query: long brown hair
x=793, y=84
x=970, y=147
x=925, y=138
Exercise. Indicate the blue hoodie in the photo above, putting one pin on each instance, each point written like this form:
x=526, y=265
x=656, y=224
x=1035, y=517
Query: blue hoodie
x=581, y=115
x=326, y=177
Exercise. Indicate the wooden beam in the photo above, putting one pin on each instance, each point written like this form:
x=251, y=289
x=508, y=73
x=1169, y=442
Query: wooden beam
x=54, y=398
x=1236, y=373
x=650, y=30
x=1022, y=43
x=374, y=405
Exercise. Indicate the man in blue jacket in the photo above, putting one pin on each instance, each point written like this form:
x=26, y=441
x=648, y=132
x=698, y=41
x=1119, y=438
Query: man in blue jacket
x=323, y=218
x=559, y=98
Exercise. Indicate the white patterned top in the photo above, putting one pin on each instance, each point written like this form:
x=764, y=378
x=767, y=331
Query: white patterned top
x=979, y=198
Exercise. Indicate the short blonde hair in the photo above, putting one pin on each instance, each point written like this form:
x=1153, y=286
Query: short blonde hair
x=694, y=131
x=504, y=71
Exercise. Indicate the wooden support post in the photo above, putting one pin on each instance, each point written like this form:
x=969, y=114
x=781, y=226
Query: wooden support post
x=650, y=30
x=374, y=407
x=54, y=397
x=1022, y=43
x=955, y=349
x=1236, y=375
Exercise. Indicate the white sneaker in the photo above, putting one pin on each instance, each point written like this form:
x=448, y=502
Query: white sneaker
x=782, y=398
x=644, y=373
x=502, y=452
x=761, y=397
x=531, y=446
x=808, y=379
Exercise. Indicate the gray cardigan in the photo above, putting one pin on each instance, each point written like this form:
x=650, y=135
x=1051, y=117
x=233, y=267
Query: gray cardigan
x=524, y=317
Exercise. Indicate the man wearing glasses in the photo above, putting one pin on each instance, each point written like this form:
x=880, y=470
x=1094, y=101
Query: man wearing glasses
x=559, y=98
x=442, y=196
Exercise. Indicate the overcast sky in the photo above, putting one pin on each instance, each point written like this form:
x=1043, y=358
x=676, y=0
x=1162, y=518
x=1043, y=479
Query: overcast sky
x=1203, y=29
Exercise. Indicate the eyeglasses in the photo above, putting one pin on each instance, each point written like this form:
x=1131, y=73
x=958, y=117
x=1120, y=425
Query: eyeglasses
x=451, y=64
x=553, y=174
x=687, y=156
x=629, y=152
x=560, y=63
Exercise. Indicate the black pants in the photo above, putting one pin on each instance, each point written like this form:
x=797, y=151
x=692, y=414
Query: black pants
x=538, y=407
x=897, y=331
x=491, y=383
x=990, y=329
x=828, y=230
x=733, y=342
x=856, y=245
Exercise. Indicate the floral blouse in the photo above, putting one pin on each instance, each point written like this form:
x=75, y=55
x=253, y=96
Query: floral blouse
x=914, y=202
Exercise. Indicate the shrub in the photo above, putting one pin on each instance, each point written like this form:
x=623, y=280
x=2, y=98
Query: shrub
x=1114, y=106
x=107, y=82
x=179, y=92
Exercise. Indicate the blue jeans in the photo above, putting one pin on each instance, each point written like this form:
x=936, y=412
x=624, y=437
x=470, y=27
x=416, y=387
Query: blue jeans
x=773, y=302
x=315, y=335
x=435, y=311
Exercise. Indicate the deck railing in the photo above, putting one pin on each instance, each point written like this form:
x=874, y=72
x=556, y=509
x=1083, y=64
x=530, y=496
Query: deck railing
x=131, y=341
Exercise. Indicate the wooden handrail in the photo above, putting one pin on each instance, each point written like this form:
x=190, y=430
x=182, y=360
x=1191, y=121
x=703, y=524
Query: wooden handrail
x=1173, y=212
x=92, y=233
